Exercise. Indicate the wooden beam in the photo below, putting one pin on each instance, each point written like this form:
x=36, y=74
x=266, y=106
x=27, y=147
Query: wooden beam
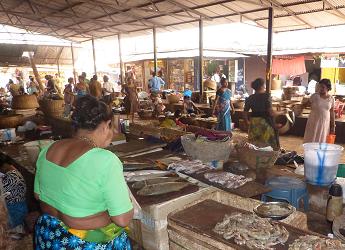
x=94, y=56
x=269, y=50
x=201, y=58
x=154, y=50
x=122, y=70
x=74, y=72
x=339, y=13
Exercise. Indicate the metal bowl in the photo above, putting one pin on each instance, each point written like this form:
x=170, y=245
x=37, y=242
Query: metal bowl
x=274, y=210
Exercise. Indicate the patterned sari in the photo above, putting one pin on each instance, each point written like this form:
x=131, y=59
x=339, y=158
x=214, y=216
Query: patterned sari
x=261, y=133
x=223, y=110
x=51, y=233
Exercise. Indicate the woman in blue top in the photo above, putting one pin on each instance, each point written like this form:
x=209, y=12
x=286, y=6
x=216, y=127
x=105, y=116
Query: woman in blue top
x=223, y=106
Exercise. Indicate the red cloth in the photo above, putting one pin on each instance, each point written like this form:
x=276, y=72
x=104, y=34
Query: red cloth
x=295, y=66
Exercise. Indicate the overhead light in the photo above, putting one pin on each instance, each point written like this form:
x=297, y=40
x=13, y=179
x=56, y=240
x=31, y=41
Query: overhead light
x=26, y=53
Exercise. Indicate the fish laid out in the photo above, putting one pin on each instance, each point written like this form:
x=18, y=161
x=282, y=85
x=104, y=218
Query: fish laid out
x=189, y=167
x=314, y=242
x=162, y=188
x=134, y=166
x=141, y=184
x=144, y=175
x=252, y=231
x=228, y=180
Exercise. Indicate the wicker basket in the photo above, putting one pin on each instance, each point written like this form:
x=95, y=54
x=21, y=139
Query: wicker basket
x=24, y=102
x=206, y=151
x=210, y=84
x=256, y=159
x=239, y=104
x=51, y=107
x=145, y=114
x=10, y=121
x=173, y=98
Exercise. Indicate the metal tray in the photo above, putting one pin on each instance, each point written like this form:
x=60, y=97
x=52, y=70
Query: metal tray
x=274, y=210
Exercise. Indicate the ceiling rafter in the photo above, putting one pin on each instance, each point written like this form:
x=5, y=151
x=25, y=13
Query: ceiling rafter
x=187, y=9
x=244, y=15
x=340, y=14
x=278, y=5
x=117, y=12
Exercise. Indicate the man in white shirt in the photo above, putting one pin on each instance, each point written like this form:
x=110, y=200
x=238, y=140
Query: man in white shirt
x=108, y=89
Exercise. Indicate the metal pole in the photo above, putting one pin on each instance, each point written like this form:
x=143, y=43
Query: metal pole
x=201, y=74
x=94, y=56
x=154, y=51
x=74, y=72
x=58, y=67
x=122, y=71
x=269, y=50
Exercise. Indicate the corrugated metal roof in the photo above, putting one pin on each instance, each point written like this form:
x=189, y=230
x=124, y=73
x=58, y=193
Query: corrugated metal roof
x=80, y=20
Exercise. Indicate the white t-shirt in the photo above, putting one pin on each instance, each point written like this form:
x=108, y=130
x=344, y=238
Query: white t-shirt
x=109, y=87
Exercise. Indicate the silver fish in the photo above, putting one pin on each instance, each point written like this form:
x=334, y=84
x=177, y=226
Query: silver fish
x=141, y=184
x=162, y=188
x=135, y=178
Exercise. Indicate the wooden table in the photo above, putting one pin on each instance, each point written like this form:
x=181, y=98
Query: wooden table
x=134, y=147
x=196, y=225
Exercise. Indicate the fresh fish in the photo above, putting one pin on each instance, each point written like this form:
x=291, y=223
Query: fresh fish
x=135, y=167
x=141, y=184
x=136, y=178
x=162, y=188
x=144, y=172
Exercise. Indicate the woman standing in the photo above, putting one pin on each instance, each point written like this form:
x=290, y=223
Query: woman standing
x=261, y=126
x=223, y=106
x=81, y=88
x=82, y=192
x=321, y=120
x=131, y=100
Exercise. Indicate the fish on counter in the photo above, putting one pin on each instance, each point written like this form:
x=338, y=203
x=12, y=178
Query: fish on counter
x=134, y=166
x=189, y=166
x=316, y=242
x=226, y=179
x=252, y=231
x=162, y=188
x=141, y=184
x=142, y=175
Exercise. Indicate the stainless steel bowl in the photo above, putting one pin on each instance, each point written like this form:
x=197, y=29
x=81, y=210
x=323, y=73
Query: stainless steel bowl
x=274, y=210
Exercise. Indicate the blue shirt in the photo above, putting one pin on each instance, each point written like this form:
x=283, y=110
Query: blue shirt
x=155, y=83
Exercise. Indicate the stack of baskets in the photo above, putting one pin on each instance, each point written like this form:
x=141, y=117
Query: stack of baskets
x=25, y=105
x=172, y=98
x=10, y=121
x=53, y=108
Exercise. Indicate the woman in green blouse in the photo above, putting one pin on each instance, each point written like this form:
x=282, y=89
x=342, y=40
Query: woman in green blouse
x=81, y=188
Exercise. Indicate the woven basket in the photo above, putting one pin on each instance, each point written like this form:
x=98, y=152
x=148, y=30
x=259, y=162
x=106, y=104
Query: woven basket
x=145, y=114
x=10, y=121
x=256, y=159
x=239, y=104
x=173, y=98
x=24, y=102
x=210, y=84
x=170, y=134
x=206, y=151
x=243, y=125
x=51, y=107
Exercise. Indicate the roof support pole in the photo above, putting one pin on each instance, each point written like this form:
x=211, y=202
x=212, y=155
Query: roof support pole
x=154, y=51
x=269, y=50
x=74, y=72
x=201, y=57
x=122, y=71
x=94, y=56
x=58, y=67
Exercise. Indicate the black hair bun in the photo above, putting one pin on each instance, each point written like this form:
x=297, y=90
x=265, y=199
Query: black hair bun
x=90, y=112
